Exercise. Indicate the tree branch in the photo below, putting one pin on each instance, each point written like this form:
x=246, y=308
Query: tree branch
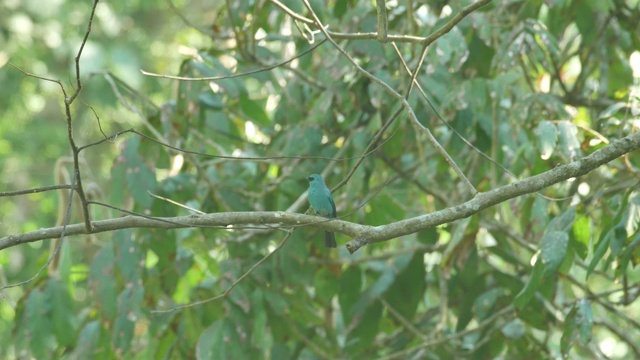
x=362, y=234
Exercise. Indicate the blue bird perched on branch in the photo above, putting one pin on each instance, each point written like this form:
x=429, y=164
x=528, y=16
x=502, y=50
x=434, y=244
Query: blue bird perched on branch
x=322, y=203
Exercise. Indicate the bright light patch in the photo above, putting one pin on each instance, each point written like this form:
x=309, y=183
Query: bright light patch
x=446, y=11
x=254, y=134
x=584, y=189
x=35, y=103
x=260, y=34
x=634, y=62
x=250, y=130
x=4, y=58
x=534, y=258
x=151, y=259
x=272, y=102
x=176, y=164
x=545, y=83
x=612, y=348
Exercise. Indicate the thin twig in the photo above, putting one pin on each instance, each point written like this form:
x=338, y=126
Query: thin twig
x=404, y=321
x=235, y=283
x=403, y=353
x=53, y=255
x=35, y=190
x=399, y=97
x=231, y=76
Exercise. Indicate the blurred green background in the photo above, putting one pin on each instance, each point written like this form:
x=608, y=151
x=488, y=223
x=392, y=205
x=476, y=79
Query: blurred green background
x=532, y=84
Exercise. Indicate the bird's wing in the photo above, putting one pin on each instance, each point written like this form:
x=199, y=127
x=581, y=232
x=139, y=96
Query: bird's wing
x=333, y=205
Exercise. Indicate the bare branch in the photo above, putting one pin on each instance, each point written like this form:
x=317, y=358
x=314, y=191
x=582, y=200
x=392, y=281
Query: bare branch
x=70, y=100
x=35, y=190
x=231, y=76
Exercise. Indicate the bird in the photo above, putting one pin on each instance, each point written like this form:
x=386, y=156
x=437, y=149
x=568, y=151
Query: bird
x=322, y=203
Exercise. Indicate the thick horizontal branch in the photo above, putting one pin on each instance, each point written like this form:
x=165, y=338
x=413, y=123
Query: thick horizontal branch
x=361, y=234
x=224, y=221
x=490, y=198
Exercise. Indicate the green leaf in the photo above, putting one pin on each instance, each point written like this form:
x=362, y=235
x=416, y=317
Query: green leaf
x=568, y=140
x=254, y=111
x=212, y=67
x=553, y=250
x=104, y=292
x=582, y=236
x=211, y=100
x=38, y=325
x=383, y=283
x=547, y=138
x=259, y=316
x=164, y=346
x=631, y=252
x=129, y=303
x=618, y=239
x=128, y=256
x=118, y=182
x=340, y=8
x=350, y=285
x=601, y=248
x=456, y=239
x=88, y=341
x=277, y=302
x=211, y=344
x=529, y=290
x=392, y=210
x=326, y=284
x=612, y=110
x=563, y=222
x=608, y=231
x=139, y=178
x=408, y=289
x=360, y=339
x=515, y=329
x=484, y=304
x=62, y=319
x=539, y=214
x=584, y=321
x=566, y=341
x=600, y=6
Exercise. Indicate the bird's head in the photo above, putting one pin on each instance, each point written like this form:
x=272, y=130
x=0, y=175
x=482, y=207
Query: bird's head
x=315, y=178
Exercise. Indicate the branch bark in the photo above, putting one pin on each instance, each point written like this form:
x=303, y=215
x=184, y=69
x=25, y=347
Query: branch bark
x=362, y=234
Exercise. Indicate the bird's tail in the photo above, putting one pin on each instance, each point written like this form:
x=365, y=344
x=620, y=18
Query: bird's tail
x=330, y=240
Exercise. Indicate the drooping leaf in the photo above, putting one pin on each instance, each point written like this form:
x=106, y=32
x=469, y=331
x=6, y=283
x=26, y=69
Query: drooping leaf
x=553, y=250
x=584, y=321
x=547, y=138
x=61, y=304
x=533, y=283
x=568, y=332
x=564, y=221
x=406, y=292
x=568, y=140
x=514, y=329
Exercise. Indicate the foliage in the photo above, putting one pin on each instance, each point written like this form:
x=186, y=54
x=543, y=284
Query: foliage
x=531, y=84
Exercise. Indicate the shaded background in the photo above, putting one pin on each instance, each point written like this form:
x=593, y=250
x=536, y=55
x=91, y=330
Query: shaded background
x=532, y=84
